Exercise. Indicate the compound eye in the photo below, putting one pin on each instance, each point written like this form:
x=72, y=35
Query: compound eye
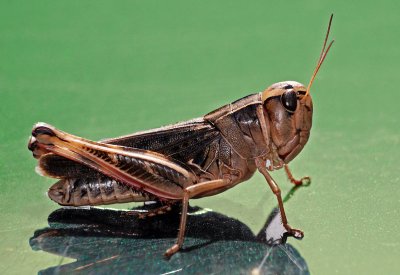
x=289, y=100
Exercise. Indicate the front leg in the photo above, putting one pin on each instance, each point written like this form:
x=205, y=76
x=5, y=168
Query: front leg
x=261, y=165
x=303, y=181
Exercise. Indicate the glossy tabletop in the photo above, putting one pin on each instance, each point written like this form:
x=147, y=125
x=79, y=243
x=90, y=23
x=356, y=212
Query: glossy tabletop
x=101, y=69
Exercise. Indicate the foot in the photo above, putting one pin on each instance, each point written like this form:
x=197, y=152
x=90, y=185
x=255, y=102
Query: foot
x=296, y=233
x=304, y=181
x=171, y=251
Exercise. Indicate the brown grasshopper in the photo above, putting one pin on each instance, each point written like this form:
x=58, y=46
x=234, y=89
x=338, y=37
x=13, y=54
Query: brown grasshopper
x=193, y=159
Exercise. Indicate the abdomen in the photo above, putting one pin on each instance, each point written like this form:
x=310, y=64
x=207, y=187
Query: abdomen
x=94, y=191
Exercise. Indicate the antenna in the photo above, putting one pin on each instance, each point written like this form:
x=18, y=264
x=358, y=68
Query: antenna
x=321, y=56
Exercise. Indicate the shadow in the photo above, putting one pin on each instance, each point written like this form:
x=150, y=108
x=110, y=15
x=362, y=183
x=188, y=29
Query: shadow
x=105, y=241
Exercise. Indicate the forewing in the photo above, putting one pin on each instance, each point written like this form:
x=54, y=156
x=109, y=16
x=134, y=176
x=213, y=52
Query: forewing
x=186, y=142
x=182, y=141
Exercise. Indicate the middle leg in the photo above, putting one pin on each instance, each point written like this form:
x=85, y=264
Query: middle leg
x=261, y=165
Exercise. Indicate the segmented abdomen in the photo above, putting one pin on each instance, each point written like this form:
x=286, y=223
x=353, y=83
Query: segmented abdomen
x=94, y=191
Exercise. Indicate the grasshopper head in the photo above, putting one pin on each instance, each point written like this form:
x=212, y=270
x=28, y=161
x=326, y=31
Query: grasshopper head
x=289, y=113
x=288, y=108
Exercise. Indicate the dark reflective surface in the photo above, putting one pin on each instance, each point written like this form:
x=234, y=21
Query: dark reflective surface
x=109, y=241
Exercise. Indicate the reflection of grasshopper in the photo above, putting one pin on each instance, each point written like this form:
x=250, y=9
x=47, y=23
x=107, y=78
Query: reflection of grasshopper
x=193, y=159
x=132, y=244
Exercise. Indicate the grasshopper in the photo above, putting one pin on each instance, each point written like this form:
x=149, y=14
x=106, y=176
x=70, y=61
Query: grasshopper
x=193, y=159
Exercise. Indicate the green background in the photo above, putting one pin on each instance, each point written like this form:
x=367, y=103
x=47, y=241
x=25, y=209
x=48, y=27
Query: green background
x=105, y=68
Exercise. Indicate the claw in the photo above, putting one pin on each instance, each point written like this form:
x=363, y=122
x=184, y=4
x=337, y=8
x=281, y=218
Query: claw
x=296, y=233
x=305, y=181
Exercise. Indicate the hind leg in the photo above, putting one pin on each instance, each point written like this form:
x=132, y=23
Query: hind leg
x=37, y=151
x=143, y=214
x=191, y=192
